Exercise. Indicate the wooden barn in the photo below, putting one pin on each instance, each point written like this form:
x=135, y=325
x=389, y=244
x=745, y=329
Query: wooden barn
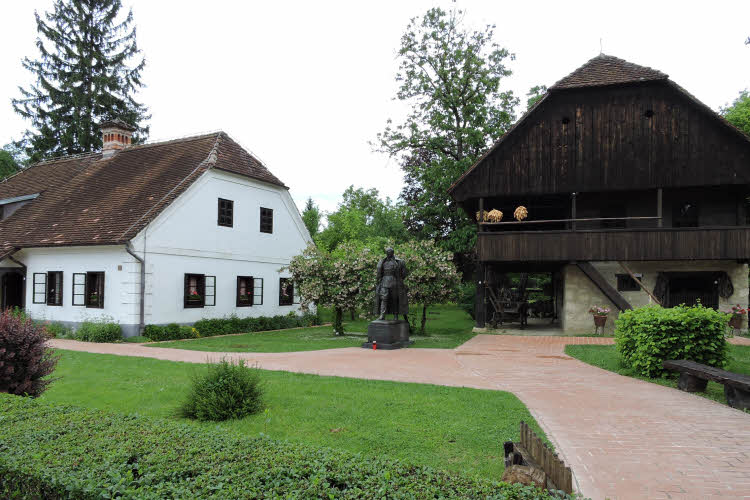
x=635, y=193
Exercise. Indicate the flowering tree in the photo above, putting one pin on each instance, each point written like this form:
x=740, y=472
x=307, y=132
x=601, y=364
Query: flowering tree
x=342, y=279
x=432, y=278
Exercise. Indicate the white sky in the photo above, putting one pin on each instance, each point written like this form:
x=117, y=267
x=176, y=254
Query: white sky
x=305, y=85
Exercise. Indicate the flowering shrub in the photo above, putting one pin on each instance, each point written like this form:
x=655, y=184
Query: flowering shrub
x=737, y=310
x=599, y=310
x=25, y=358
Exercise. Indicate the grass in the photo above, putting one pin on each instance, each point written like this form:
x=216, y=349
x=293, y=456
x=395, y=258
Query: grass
x=451, y=428
x=447, y=327
x=607, y=357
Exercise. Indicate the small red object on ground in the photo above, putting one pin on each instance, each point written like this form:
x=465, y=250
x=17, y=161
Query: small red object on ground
x=374, y=345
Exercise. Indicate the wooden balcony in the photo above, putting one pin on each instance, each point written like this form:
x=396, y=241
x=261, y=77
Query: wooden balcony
x=700, y=243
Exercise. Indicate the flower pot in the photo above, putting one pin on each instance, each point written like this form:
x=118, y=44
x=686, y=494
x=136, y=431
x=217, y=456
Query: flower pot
x=736, y=321
x=600, y=321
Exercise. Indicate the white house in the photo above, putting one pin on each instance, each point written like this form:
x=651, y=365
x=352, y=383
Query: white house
x=157, y=233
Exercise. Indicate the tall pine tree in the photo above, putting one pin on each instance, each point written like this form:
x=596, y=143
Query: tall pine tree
x=88, y=70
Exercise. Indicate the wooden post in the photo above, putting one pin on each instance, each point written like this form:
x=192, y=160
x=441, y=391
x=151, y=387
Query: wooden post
x=740, y=209
x=479, y=307
x=481, y=214
x=659, y=207
x=573, y=211
x=627, y=270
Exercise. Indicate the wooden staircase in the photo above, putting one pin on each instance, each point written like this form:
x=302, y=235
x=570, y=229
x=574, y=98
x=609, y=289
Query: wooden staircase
x=608, y=290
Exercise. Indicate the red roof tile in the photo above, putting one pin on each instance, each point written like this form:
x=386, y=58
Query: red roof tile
x=89, y=200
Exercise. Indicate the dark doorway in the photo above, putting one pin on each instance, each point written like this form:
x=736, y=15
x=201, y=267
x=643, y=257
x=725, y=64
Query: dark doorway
x=12, y=284
x=692, y=288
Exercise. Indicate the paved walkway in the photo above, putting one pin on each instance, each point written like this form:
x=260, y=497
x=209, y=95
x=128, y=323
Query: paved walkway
x=623, y=438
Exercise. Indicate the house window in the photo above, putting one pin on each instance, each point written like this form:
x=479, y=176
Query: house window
x=95, y=290
x=226, y=212
x=626, y=283
x=286, y=292
x=54, y=288
x=257, y=291
x=39, y=291
x=245, y=291
x=200, y=291
x=685, y=214
x=266, y=220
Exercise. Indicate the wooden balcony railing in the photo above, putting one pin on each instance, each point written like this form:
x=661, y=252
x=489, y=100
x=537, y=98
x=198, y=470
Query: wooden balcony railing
x=699, y=243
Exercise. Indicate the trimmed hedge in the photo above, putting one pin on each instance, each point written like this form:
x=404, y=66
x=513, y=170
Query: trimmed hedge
x=55, y=452
x=98, y=331
x=232, y=324
x=647, y=336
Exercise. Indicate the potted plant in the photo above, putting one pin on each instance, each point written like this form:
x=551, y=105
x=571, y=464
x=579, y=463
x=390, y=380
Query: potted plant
x=737, y=313
x=194, y=296
x=600, y=315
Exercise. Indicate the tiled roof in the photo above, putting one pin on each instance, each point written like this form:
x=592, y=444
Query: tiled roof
x=90, y=200
x=608, y=70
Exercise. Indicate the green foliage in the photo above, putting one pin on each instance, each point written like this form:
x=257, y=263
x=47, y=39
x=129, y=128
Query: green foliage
x=8, y=165
x=225, y=326
x=57, y=451
x=172, y=331
x=58, y=330
x=342, y=279
x=311, y=217
x=534, y=95
x=362, y=217
x=99, y=330
x=451, y=79
x=738, y=114
x=468, y=297
x=81, y=77
x=223, y=391
x=432, y=277
x=647, y=336
x=25, y=359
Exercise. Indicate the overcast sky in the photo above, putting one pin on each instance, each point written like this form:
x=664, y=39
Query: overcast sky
x=306, y=85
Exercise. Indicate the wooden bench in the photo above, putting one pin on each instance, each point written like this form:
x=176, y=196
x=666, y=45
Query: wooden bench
x=694, y=377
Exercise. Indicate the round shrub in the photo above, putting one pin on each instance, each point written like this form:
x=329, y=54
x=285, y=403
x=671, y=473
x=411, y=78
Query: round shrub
x=647, y=336
x=223, y=391
x=25, y=358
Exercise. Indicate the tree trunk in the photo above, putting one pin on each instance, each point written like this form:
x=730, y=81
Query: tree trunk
x=338, y=326
x=424, y=318
x=351, y=312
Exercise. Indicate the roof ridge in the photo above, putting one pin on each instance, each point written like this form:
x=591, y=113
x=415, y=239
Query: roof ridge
x=207, y=163
x=605, y=69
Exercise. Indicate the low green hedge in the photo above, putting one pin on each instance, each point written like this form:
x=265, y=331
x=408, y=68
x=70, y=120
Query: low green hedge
x=647, y=336
x=57, y=452
x=98, y=331
x=232, y=324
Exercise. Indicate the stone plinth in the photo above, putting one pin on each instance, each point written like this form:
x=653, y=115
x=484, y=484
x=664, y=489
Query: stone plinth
x=389, y=334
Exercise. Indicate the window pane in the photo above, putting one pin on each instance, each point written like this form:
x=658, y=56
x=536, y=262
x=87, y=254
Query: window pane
x=54, y=288
x=286, y=292
x=226, y=212
x=244, y=291
x=266, y=220
x=95, y=290
x=195, y=290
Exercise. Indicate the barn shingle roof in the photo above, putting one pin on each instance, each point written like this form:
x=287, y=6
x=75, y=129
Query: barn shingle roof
x=91, y=200
x=608, y=70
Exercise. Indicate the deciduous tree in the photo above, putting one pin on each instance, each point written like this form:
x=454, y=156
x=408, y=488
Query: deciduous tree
x=432, y=277
x=88, y=70
x=534, y=94
x=451, y=79
x=738, y=113
x=342, y=280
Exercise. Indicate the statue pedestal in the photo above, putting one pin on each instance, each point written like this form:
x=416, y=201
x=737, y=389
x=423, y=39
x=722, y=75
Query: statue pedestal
x=389, y=334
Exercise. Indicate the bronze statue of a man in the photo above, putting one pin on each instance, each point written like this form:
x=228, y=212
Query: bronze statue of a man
x=390, y=294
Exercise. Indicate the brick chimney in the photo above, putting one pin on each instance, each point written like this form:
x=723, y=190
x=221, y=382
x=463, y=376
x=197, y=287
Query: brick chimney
x=116, y=135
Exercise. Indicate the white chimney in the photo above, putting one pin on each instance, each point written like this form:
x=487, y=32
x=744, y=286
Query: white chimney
x=116, y=135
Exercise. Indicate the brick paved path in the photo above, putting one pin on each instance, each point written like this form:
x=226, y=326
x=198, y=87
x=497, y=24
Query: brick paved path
x=623, y=438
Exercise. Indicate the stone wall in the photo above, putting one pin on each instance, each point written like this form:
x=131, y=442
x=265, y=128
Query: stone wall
x=580, y=293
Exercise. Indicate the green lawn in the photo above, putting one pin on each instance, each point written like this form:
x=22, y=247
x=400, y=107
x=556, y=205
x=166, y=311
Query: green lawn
x=450, y=428
x=607, y=357
x=447, y=327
